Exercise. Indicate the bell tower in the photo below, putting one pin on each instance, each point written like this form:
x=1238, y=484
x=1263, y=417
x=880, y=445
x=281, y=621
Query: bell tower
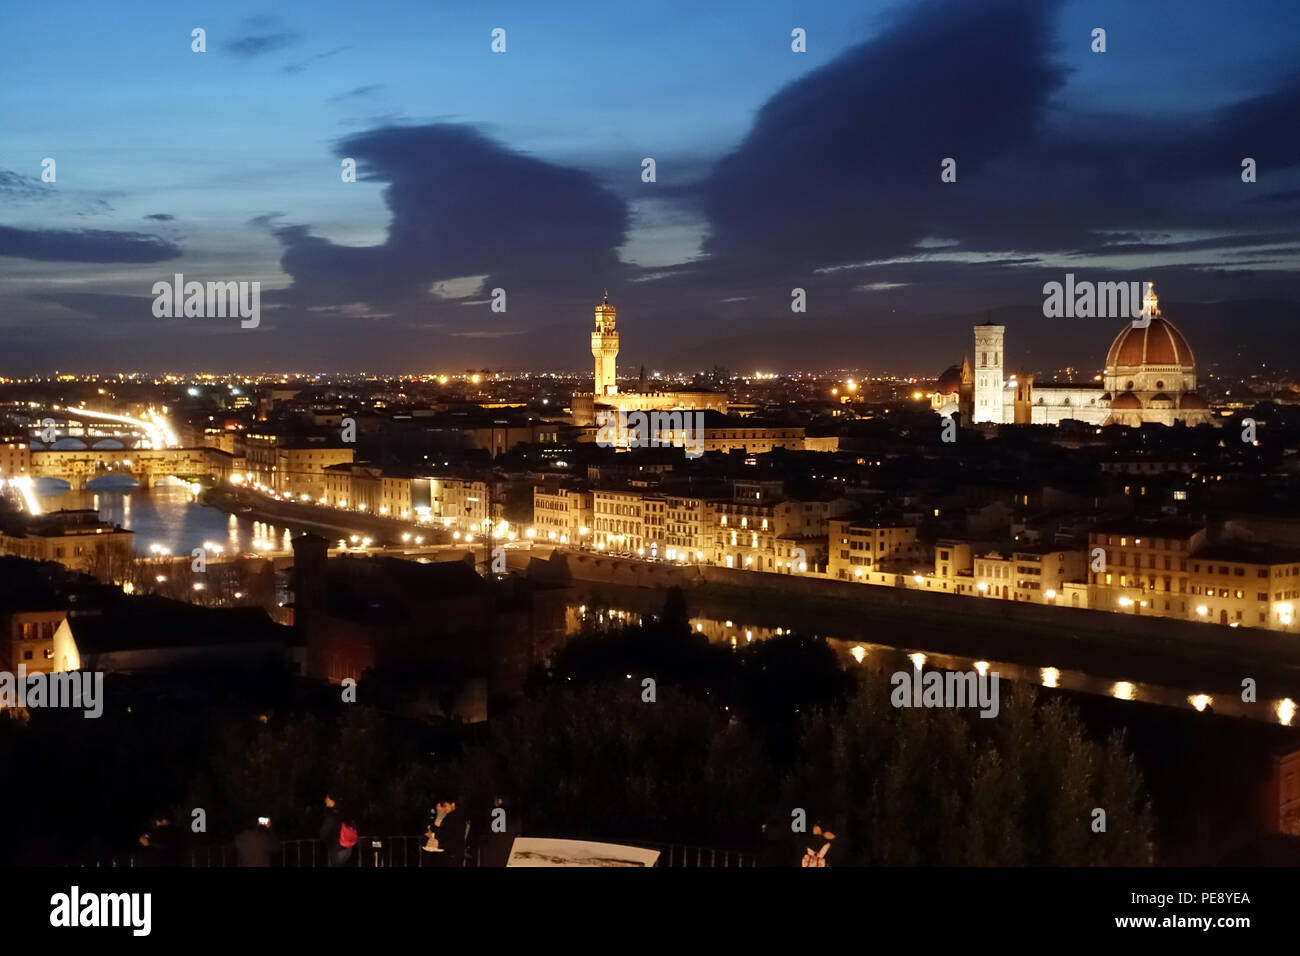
x=604, y=347
x=988, y=373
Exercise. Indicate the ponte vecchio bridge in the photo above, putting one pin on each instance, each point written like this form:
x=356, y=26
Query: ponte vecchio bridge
x=145, y=465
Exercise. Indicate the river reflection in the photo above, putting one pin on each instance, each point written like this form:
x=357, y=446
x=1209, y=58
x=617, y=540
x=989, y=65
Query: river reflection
x=168, y=515
x=736, y=632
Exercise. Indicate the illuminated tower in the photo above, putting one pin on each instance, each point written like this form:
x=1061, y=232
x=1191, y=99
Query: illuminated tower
x=988, y=373
x=604, y=346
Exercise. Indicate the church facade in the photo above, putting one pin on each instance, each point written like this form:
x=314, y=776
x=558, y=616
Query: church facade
x=1149, y=377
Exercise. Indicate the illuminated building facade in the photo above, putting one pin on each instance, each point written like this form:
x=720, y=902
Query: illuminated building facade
x=605, y=396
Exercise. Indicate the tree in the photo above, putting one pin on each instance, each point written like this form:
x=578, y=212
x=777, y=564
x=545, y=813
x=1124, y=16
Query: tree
x=941, y=787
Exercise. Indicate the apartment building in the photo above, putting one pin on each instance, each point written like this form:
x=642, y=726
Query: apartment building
x=618, y=522
x=1245, y=585
x=859, y=546
x=395, y=496
x=1144, y=568
x=780, y=535
x=1033, y=575
x=688, y=527
x=455, y=501
x=355, y=485
x=15, y=459
x=40, y=641
x=300, y=468
x=76, y=539
x=562, y=514
x=293, y=466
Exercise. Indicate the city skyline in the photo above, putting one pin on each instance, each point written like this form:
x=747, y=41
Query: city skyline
x=860, y=435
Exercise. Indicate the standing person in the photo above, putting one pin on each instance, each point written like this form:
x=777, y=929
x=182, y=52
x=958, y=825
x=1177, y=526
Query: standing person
x=449, y=828
x=258, y=845
x=338, y=834
x=162, y=838
x=146, y=854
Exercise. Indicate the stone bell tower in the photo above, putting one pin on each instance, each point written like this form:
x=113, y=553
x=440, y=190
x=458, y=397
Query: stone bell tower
x=988, y=373
x=604, y=347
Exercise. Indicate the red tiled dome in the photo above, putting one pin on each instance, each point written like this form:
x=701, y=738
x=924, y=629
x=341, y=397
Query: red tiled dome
x=1192, y=400
x=1127, y=400
x=1157, y=344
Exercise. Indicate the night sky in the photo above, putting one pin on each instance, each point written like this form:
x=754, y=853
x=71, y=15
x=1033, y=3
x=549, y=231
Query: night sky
x=522, y=170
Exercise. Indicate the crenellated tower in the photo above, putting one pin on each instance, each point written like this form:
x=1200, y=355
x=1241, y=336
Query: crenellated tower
x=604, y=347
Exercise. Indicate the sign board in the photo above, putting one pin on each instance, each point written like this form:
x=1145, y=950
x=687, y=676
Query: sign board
x=540, y=851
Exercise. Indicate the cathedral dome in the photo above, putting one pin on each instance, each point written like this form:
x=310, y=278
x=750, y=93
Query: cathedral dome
x=949, y=381
x=1127, y=401
x=1157, y=344
x=1192, y=400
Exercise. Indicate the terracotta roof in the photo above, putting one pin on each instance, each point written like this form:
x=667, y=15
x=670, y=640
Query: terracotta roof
x=1157, y=344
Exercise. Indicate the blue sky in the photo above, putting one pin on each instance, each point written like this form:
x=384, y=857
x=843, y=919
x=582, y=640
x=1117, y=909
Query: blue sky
x=774, y=169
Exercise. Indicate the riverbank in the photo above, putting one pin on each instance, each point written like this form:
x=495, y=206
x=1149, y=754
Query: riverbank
x=330, y=522
x=1205, y=658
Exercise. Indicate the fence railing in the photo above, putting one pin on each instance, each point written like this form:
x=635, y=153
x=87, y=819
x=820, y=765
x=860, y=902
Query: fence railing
x=376, y=852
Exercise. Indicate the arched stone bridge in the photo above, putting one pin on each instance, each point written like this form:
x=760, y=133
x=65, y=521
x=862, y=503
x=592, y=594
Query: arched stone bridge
x=78, y=466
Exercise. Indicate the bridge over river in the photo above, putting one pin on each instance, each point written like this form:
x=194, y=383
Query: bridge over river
x=145, y=465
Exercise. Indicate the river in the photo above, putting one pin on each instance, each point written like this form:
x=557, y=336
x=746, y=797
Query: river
x=167, y=515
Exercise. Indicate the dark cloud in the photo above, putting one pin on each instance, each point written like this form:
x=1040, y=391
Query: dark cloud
x=462, y=205
x=298, y=67
x=359, y=92
x=844, y=163
x=15, y=184
x=85, y=245
x=160, y=216
x=255, y=45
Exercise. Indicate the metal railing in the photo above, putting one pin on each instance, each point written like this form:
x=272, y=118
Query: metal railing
x=374, y=852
